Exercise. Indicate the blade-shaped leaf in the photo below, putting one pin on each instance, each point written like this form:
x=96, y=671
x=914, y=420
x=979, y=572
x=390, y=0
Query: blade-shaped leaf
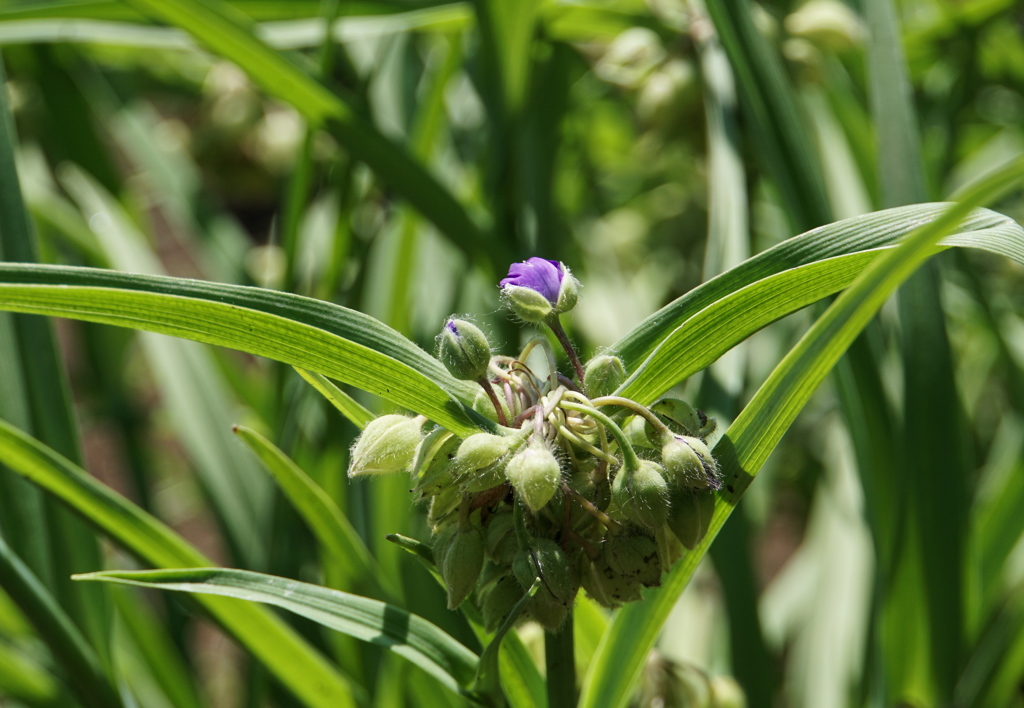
x=717, y=328
x=297, y=665
x=346, y=405
x=881, y=228
x=757, y=430
x=372, y=621
x=341, y=343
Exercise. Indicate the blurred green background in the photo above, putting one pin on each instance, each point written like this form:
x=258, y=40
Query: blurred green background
x=650, y=145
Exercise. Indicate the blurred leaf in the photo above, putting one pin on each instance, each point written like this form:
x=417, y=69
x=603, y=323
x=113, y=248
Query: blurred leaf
x=79, y=663
x=224, y=31
x=194, y=390
x=23, y=680
x=337, y=342
x=369, y=620
x=297, y=665
x=757, y=430
x=334, y=532
x=788, y=152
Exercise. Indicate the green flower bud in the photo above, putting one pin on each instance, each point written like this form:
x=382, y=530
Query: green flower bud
x=481, y=456
x=499, y=601
x=462, y=564
x=686, y=462
x=568, y=292
x=727, y=693
x=603, y=375
x=642, y=495
x=443, y=503
x=634, y=555
x=499, y=538
x=609, y=587
x=464, y=350
x=528, y=305
x=683, y=418
x=440, y=543
x=433, y=463
x=535, y=474
x=546, y=560
x=690, y=515
x=388, y=444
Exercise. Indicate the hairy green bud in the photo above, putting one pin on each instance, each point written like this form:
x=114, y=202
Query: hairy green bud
x=499, y=538
x=642, y=494
x=688, y=462
x=534, y=473
x=481, y=458
x=603, y=375
x=546, y=560
x=690, y=514
x=462, y=564
x=683, y=418
x=464, y=350
x=634, y=555
x=387, y=445
x=500, y=600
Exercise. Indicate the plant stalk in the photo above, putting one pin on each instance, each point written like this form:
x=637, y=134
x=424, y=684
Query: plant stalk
x=560, y=661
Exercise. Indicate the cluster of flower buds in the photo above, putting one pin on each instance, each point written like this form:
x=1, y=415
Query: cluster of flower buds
x=580, y=487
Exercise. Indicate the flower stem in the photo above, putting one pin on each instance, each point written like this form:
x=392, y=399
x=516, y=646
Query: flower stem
x=560, y=661
x=629, y=458
x=563, y=339
x=489, y=390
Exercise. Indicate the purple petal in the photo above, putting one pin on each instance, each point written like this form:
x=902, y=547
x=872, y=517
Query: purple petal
x=538, y=274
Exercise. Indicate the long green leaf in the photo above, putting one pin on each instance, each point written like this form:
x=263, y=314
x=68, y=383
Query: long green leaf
x=371, y=621
x=881, y=228
x=707, y=335
x=282, y=651
x=337, y=342
x=759, y=427
x=934, y=455
x=224, y=31
x=346, y=405
x=21, y=679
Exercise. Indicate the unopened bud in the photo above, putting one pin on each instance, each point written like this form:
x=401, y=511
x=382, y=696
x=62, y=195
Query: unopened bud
x=462, y=564
x=546, y=560
x=499, y=539
x=482, y=451
x=387, y=444
x=500, y=600
x=603, y=375
x=537, y=289
x=683, y=418
x=634, y=555
x=690, y=515
x=534, y=473
x=727, y=693
x=464, y=350
x=685, y=462
x=642, y=494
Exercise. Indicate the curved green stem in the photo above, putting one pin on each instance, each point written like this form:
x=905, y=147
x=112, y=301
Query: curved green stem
x=629, y=458
x=640, y=410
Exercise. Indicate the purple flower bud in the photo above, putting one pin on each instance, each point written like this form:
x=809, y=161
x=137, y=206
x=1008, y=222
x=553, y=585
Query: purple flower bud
x=538, y=288
x=538, y=274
